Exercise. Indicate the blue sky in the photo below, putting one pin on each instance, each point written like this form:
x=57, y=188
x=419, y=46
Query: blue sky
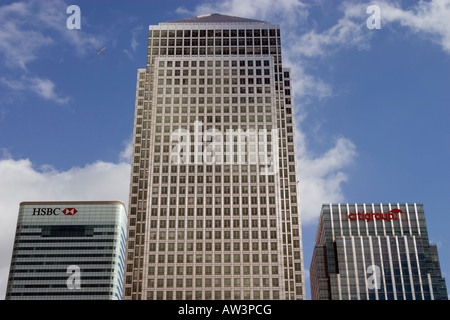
x=372, y=106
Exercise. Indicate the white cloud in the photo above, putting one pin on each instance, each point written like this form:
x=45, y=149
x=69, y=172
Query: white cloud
x=303, y=45
x=28, y=27
x=292, y=11
x=51, y=15
x=345, y=33
x=126, y=154
x=18, y=46
x=133, y=43
x=430, y=19
x=45, y=88
x=128, y=53
x=304, y=84
x=321, y=177
x=21, y=181
x=42, y=87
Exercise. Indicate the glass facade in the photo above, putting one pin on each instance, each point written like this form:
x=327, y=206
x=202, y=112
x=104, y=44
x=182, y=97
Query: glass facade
x=375, y=252
x=68, y=250
x=220, y=219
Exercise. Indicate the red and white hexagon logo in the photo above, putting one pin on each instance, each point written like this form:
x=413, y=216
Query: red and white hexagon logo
x=70, y=211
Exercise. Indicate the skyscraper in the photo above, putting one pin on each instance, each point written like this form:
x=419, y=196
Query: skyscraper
x=68, y=251
x=375, y=252
x=214, y=211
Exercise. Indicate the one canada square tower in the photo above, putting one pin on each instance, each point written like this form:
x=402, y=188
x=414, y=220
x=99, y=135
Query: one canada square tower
x=214, y=203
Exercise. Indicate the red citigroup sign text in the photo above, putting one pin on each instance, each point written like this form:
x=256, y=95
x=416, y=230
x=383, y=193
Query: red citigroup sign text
x=392, y=215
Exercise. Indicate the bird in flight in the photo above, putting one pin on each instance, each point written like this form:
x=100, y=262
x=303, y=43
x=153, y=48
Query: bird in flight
x=101, y=50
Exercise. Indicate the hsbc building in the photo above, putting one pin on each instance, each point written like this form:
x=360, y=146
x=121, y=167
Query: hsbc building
x=68, y=251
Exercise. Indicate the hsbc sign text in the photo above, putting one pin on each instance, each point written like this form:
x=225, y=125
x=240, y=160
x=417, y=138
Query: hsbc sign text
x=54, y=211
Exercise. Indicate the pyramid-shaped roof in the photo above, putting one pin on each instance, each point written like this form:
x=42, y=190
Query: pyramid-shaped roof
x=216, y=18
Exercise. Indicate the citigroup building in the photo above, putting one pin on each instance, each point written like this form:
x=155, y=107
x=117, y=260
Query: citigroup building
x=375, y=252
x=68, y=251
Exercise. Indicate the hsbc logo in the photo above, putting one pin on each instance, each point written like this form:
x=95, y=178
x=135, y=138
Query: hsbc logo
x=54, y=211
x=69, y=211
